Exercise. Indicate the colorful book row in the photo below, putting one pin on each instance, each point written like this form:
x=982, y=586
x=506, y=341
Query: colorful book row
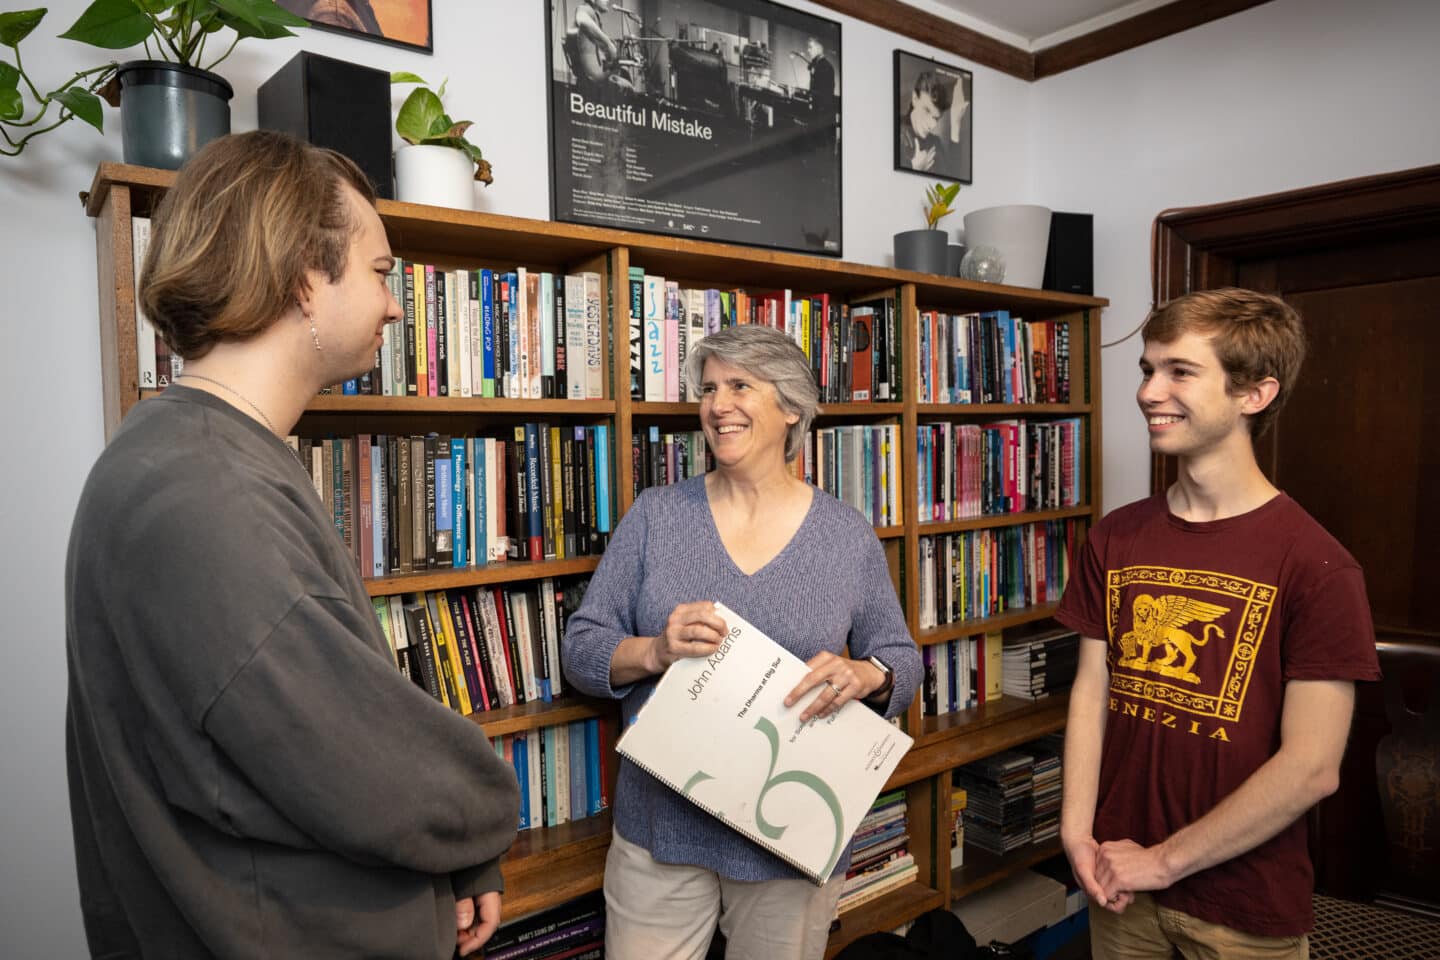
x=981, y=573
x=482, y=648
x=408, y=504
x=991, y=358
x=858, y=465
x=1009, y=466
x=961, y=673
x=561, y=772
x=519, y=334
x=849, y=346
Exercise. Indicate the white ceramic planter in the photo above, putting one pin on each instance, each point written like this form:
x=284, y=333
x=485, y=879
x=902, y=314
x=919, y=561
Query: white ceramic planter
x=439, y=176
x=1021, y=232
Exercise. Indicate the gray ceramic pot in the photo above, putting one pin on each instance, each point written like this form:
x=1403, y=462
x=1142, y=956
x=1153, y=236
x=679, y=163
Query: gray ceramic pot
x=922, y=250
x=168, y=112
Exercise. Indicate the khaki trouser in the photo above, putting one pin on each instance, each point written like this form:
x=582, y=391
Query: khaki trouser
x=1148, y=931
x=660, y=911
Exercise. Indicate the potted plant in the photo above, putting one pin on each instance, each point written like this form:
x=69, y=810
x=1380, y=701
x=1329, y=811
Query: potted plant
x=925, y=250
x=438, y=165
x=170, y=103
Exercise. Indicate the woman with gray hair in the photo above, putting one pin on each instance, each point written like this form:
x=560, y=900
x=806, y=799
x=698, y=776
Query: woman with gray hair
x=792, y=560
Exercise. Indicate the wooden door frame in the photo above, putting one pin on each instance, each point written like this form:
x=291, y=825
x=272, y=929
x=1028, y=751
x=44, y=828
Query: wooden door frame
x=1200, y=248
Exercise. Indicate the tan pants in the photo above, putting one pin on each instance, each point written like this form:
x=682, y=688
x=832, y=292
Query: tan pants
x=660, y=911
x=1148, y=931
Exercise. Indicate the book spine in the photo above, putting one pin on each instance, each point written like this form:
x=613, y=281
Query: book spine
x=460, y=540
x=636, y=333
x=547, y=336
x=444, y=327
x=594, y=338
x=576, y=339
x=419, y=632
x=145, y=335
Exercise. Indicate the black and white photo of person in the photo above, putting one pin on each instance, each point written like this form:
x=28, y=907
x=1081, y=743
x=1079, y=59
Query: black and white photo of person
x=592, y=55
x=822, y=81
x=932, y=119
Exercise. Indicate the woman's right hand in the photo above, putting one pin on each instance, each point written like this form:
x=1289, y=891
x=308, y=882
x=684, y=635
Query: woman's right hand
x=692, y=630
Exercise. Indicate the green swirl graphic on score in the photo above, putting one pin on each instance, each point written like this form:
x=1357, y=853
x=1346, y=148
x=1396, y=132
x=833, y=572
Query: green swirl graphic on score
x=801, y=777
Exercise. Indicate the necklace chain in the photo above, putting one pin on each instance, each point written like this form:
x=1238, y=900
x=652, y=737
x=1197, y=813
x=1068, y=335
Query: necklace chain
x=226, y=386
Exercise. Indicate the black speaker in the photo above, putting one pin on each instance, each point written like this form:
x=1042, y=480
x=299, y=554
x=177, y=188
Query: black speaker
x=1070, y=260
x=336, y=104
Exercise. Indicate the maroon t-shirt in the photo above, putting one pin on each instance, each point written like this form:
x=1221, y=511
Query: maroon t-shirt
x=1205, y=624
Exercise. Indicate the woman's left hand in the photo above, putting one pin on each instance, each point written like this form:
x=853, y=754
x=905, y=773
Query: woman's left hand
x=839, y=680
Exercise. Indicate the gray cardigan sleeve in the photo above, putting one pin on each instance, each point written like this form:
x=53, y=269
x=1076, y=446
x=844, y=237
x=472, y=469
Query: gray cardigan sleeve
x=607, y=614
x=878, y=628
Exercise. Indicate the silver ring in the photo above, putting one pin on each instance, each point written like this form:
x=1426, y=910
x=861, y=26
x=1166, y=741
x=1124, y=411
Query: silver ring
x=833, y=688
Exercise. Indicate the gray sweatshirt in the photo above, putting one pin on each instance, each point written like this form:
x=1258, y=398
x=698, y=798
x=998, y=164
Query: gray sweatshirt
x=250, y=775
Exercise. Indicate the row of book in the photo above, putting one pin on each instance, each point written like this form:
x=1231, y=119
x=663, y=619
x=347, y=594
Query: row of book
x=407, y=504
x=980, y=573
x=483, y=648
x=992, y=358
x=1009, y=466
x=961, y=673
x=575, y=930
x=880, y=858
x=852, y=348
x=858, y=465
x=1040, y=659
x=520, y=334
x=1013, y=797
x=659, y=457
x=560, y=769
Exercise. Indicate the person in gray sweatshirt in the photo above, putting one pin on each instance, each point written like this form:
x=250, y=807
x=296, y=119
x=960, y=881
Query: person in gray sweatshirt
x=250, y=775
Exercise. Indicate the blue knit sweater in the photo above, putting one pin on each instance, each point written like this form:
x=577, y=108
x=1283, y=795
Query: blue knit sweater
x=829, y=585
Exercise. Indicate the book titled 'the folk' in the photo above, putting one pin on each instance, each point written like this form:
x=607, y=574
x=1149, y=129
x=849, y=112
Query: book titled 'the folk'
x=717, y=731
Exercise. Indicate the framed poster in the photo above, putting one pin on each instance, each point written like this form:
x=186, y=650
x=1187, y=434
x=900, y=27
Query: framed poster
x=403, y=23
x=933, y=108
x=711, y=119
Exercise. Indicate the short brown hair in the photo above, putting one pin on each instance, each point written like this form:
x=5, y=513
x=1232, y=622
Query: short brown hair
x=232, y=240
x=1255, y=335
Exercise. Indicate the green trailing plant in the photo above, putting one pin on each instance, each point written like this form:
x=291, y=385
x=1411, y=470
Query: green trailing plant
x=937, y=202
x=422, y=121
x=178, y=31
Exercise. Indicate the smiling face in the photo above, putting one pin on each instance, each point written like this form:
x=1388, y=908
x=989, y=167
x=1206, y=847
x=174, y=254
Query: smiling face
x=351, y=314
x=742, y=418
x=1184, y=395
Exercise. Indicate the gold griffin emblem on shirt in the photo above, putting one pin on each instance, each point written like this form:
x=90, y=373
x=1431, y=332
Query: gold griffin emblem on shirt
x=1157, y=623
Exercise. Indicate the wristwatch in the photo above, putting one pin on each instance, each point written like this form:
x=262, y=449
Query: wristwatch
x=889, y=675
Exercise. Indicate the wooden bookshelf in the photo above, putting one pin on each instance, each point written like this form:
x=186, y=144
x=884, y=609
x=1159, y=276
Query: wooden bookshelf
x=884, y=913
x=546, y=867
x=983, y=868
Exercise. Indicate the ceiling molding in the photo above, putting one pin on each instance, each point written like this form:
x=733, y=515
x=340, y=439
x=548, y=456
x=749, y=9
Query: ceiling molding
x=1137, y=31
x=938, y=32
x=929, y=28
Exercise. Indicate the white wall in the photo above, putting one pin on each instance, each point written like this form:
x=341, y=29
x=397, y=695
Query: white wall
x=1288, y=94
x=1081, y=141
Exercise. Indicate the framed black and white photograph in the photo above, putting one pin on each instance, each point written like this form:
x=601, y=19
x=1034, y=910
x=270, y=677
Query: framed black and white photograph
x=933, y=110
x=401, y=23
x=711, y=119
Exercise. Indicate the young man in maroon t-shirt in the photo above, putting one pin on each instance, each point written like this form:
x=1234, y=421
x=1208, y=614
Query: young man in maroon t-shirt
x=1223, y=632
